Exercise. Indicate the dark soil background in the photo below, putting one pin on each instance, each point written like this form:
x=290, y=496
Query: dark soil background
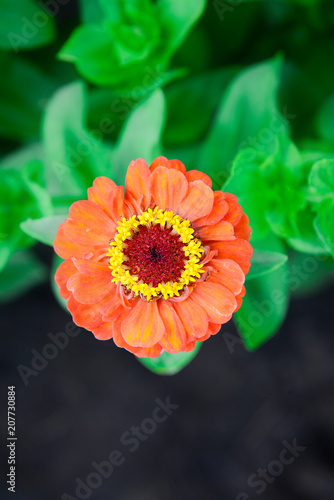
x=235, y=409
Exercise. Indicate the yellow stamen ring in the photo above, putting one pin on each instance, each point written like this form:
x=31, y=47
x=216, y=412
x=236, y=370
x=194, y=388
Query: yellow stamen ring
x=192, y=252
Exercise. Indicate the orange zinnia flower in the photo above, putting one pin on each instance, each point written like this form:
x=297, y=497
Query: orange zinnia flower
x=158, y=268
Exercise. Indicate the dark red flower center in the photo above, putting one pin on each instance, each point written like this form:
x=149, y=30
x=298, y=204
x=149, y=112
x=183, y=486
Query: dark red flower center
x=155, y=255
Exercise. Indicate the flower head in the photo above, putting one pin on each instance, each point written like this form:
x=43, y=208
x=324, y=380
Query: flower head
x=156, y=268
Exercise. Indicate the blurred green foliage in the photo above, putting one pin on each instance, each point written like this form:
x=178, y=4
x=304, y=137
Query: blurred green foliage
x=242, y=90
x=119, y=41
x=24, y=24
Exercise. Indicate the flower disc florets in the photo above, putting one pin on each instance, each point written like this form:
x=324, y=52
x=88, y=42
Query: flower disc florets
x=155, y=254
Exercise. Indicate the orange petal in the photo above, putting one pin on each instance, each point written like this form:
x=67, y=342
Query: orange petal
x=103, y=331
x=196, y=175
x=162, y=161
x=222, y=231
x=212, y=330
x=206, y=336
x=239, y=303
x=87, y=224
x=168, y=187
x=112, y=308
x=99, y=193
x=216, y=299
x=238, y=250
x=66, y=248
x=242, y=229
x=107, y=329
x=239, y=298
x=177, y=165
x=198, y=201
x=137, y=181
x=87, y=316
x=229, y=274
x=175, y=336
x=92, y=283
x=235, y=211
x=219, y=210
x=117, y=334
x=146, y=352
x=118, y=208
x=190, y=346
x=133, y=206
x=143, y=327
x=150, y=352
x=208, y=255
x=193, y=317
x=63, y=274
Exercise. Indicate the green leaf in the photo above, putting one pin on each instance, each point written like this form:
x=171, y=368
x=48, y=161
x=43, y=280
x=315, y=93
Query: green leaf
x=191, y=103
x=306, y=239
x=21, y=105
x=247, y=117
x=43, y=229
x=266, y=301
x=141, y=136
x=113, y=10
x=90, y=12
x=129, y=43
x=321, y=178
x=121, y=54
x=177, y=18
x=265, y=262
x=247, y=183
x=74, y=157
x=285, y=164
x=321, y=181
x=272, y=189
x=264, y=307
x=107, y=109
x=22, y=273
x=22, y=195
x=24, y=25
x=313, y=150
x=285, y=176
x=90, y=49
x=33, y=178
x=170, y=364
x=324, y=224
